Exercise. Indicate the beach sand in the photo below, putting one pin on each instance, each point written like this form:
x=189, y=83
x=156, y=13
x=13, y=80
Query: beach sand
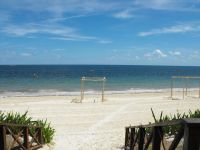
x=97, y=126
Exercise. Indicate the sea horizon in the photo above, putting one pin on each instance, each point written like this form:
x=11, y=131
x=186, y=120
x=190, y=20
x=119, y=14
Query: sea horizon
x=28, y=80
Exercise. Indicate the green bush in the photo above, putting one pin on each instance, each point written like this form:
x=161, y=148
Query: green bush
x=22, y=119
x=172, y=130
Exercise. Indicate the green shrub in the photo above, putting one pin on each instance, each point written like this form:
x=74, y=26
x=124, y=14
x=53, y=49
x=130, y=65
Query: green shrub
x=172, y=130
x=22, y=119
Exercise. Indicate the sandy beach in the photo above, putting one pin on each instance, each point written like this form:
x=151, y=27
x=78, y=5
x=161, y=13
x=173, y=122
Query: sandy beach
x=97, y=126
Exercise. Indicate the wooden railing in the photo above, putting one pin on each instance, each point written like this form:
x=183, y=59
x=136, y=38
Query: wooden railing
x=20, y=137
x=139, y=137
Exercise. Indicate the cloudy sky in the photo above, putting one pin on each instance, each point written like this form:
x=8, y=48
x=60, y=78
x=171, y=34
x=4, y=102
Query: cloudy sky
x=132, y=32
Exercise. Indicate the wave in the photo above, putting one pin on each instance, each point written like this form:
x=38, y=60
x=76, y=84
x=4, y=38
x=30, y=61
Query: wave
x=88, y=92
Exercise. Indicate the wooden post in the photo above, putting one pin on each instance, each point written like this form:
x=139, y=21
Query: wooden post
x=157, y=137
x=191, y=137
x=103, y=90
x=141, y=138
x=171, y=88
x=183, y=91
x=40, y=138
x=199, y=89
x=186, y=84
x=132, y=140
x=2, y=137
x=126, y=137
x=82, y=89
x=26, y=143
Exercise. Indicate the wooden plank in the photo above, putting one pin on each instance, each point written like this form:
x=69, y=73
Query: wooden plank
x=40, y=137
x=157, y=137
x=177, y=139
x=14, y=137
x=19, y=125
x=162, y=124
x=132, y=139
x=2, y=138
x=191, y=137
x=141, y=138
x=126, y=137
x=26, y=138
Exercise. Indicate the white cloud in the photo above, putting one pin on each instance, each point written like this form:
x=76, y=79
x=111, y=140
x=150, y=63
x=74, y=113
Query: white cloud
x=175, y=53
x=159, y=53
x=60, y=19
x=155, y=54
x=79, y=7
x=137, y=57
x=59, y=7
x=56, y=31
x=104, y=41
x=174, y=5
x=172, y=29
x=195, y=55
x=126, y=14
x=27, y=29
x=26, y=54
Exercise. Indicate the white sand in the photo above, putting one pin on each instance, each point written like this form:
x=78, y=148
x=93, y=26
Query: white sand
x=96, y=126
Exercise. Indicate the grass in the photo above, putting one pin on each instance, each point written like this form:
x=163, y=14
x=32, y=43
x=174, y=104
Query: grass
x=16, y=118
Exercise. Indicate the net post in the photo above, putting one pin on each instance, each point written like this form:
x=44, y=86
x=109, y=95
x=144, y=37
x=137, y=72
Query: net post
x=186, y=85
x=82, y=88
x=183, y=89
x=171, y=87
x=103, y=88
x=199, y=89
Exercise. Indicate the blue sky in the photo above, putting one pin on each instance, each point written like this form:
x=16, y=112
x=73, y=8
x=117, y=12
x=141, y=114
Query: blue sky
x=132, y=32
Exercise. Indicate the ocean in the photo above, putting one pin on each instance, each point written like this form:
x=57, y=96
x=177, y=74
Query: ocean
x=65, y=79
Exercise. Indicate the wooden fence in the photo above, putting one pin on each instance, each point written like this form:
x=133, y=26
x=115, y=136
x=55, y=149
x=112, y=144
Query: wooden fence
x=137, y=137
x=20, y=137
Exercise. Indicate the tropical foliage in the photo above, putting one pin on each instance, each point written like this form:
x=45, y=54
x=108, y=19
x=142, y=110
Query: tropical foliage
x=23, y=119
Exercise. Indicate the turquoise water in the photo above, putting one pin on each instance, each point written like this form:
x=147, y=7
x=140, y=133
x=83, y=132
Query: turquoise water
x=66, y=78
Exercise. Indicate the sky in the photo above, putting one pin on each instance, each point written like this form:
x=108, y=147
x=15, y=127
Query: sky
x=126, y=32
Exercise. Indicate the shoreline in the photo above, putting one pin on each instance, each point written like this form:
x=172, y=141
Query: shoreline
x=44, y=93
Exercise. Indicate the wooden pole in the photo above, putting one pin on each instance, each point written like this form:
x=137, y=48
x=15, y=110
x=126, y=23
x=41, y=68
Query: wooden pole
x=132, y=139
x=171, y=88
x=39, y=135
x=103, y=90
x=26, y=143
x=157, y=138
x=141, y=138
x=82, y=89
x=199, y=89
x=186, y=84
x=126, y=137
x=183, y=91
x=191, y=137
x=2, y=137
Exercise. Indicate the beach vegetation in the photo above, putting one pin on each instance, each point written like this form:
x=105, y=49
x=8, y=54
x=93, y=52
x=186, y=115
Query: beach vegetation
x=172, y=130
x=23, y=119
